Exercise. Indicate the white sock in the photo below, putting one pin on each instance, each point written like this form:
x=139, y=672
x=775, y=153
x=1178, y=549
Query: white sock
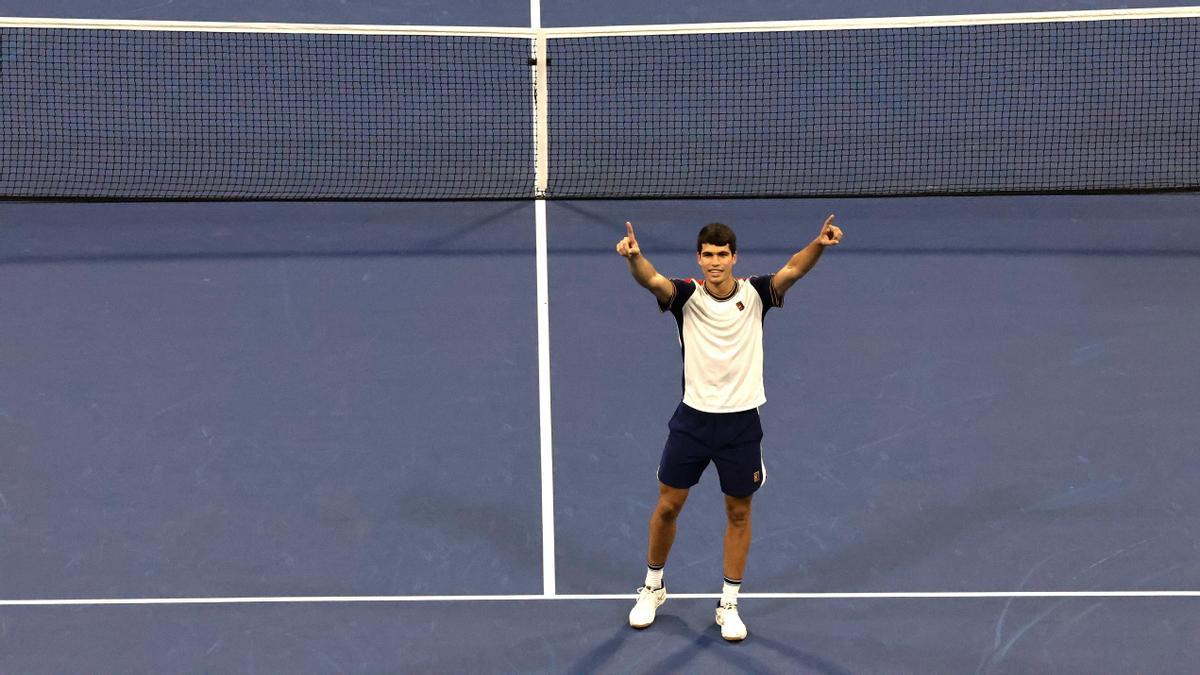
x=729, y=591
x=654, y=577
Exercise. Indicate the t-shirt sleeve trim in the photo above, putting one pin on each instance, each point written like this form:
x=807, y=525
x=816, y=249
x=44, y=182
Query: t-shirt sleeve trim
x=766, y=290
x=681, y=290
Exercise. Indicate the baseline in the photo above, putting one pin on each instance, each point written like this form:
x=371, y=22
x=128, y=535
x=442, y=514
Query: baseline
x=957, y=595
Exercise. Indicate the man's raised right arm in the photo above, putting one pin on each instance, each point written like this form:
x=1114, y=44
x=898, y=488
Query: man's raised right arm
x=641, y=269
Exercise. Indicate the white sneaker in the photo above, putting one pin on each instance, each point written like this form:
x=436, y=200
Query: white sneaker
x=732, y=628
x=642, y=614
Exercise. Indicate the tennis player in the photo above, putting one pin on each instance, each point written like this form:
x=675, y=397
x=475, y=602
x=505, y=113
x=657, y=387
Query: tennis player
x=720, y=318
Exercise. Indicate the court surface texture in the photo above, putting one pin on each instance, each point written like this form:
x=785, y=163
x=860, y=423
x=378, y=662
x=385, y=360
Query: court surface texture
x=266, y=438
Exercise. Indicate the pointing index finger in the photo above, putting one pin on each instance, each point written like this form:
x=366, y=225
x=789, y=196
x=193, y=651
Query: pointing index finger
x=629, y=231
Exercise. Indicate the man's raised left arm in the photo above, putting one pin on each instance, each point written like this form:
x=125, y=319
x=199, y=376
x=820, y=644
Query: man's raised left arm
x=804, y=259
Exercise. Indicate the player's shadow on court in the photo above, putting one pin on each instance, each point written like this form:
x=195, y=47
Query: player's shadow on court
x=796, y=657
x=602, y=653
x=745, y=657
x=669, y=630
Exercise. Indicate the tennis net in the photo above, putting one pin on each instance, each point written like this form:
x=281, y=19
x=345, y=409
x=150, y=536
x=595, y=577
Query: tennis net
x=229, y=114
x=1105, y=101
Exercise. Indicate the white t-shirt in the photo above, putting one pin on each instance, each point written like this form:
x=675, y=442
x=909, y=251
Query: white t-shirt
x=721, y=341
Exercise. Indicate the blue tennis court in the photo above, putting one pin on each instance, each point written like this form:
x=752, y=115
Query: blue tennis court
x=308, y=437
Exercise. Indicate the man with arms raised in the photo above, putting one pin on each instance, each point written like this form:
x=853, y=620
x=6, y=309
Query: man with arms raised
x=720, y=330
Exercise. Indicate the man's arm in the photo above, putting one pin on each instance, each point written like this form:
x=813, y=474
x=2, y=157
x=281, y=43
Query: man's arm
x=641, y=269
x=804, y=259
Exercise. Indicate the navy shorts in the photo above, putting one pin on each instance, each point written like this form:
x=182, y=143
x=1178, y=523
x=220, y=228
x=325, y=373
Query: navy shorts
x=732, y=441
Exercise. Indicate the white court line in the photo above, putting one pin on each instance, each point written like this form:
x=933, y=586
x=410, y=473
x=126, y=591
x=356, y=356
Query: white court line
x=967, y=595
x=544, y=418
x=542, y=256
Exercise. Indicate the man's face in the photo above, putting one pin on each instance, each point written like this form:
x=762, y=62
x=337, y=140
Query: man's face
x=716, y=262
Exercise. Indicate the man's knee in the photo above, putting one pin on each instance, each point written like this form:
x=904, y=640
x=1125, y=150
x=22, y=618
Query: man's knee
x=670, y=502
x=737, y=510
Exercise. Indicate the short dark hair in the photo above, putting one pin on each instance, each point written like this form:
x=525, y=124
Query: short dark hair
x=717, y=234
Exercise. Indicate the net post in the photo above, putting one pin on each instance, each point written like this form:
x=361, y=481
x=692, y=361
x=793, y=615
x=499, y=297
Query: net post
x=541, y=110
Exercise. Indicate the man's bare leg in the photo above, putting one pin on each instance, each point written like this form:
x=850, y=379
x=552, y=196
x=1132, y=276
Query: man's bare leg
x=737, y=545
x=737, y=535
x=662, y=523
x=662, y=535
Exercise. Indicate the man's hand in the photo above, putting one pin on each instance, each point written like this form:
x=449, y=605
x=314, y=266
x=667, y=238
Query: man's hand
x=628, y=247
x=830, y=234
x=803, y=260
x=641, y=269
